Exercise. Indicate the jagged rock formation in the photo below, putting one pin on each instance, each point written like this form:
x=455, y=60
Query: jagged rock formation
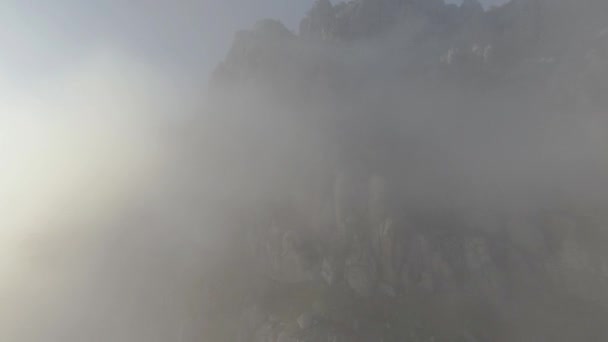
x=373, y=232
x=320, y=21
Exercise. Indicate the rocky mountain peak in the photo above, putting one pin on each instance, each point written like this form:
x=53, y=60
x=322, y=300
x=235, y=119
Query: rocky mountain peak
x=409, y=142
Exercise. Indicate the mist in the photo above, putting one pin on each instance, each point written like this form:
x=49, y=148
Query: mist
x=86, y=157
x=422, y=173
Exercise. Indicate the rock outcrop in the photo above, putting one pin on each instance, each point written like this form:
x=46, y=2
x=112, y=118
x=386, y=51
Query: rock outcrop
x=371, y=228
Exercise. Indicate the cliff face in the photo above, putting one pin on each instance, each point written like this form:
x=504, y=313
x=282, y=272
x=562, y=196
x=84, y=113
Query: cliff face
x=415, y=171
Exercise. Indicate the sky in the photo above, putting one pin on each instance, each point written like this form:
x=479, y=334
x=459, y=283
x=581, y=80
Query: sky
x=186, y=37
x=191, y=35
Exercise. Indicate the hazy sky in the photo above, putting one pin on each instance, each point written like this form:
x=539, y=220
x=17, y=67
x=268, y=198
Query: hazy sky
x=188, y=37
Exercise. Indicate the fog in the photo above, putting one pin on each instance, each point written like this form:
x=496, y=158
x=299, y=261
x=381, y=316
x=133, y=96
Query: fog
x=139, y=204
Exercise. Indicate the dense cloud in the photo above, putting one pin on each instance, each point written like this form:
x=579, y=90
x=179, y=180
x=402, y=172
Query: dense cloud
x=395, y=170
x=91, y=228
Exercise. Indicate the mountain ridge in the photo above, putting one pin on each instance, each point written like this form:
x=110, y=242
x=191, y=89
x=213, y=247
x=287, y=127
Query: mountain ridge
x=416, y=171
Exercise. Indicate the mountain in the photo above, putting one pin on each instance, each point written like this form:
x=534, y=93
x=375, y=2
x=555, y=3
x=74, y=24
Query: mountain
x=407, y=170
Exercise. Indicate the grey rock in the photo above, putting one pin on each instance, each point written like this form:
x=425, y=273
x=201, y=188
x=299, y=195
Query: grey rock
x=252, y=318
x=285, y=336
x=416, y=272
x=483, y=270
x=286, y=259
x=320, y=21
x=387, y=290
x=328, y=271
x=388, y=250
x=477, y=254
x=305, y=321
x=360, y=270
x=267, y=333
x=377, y=200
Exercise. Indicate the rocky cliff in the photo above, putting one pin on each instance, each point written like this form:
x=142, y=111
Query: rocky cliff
x=407, y=170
